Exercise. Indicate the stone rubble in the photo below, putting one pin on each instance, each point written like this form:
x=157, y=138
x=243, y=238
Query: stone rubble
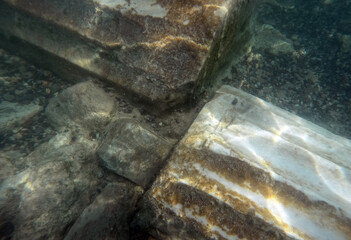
x=46, y=192
x=42, y=200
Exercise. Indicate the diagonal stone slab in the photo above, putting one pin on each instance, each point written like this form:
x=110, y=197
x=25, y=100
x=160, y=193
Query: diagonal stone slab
x=158, y=49
x=247, y=169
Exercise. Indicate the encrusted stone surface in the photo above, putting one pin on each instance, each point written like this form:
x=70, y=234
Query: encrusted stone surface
x=247, y=169
x=161, y=50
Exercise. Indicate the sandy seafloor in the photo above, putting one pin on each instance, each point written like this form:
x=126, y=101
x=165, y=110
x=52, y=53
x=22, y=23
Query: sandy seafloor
x=299, y=60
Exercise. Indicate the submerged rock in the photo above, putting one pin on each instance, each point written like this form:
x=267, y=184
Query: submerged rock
x=84, y=106
x=132, y=151
x=45, y=198
x=270, y=39
x=160, y=50
x=247, y=169
x=346, y=43
x=11, y=162
x=109, y=215
x=14, y=114
x=7, y=169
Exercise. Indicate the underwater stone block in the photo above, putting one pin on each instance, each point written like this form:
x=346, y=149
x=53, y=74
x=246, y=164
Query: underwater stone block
x=160, y=50
x=247, y=169
x=132, y=151
x=109, y=215
x=83, y=106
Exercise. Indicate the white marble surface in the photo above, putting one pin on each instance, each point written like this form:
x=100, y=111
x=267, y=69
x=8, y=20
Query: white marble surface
x=289, y=147
x=310, y=162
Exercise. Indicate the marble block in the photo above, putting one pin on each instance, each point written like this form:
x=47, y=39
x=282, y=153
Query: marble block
x=162, y=51
x=249, y=170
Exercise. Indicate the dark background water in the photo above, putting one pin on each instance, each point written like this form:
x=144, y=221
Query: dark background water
x=313, y=80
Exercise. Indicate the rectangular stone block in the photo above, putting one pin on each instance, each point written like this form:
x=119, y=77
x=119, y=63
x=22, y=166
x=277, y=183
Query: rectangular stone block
x=249, y=170
x=160, y=50
x=130, y=150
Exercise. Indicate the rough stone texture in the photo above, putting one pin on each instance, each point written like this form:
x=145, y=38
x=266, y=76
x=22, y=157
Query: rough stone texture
x=247, y=169
x=84, y=105
x=132, y=151
x=14, y=115
x=54, y=149
x=61, y=179
x=108, y=217
x=15, y=159
x=161, y=50
x=7, y=169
